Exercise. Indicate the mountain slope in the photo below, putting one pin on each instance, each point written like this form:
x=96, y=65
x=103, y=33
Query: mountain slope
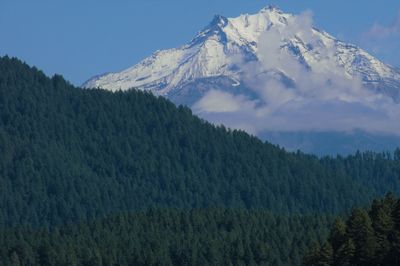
x=69, y=155
x=213, y=52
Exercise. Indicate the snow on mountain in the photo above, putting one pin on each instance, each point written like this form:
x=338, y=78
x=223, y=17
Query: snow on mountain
x=212, y=53
x=271, y=71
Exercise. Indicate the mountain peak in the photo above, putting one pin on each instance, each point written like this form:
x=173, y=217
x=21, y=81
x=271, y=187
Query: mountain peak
x=270, y=8
x=215, y=51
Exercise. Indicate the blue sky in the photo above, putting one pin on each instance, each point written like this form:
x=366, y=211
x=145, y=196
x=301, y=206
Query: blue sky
x=79, y=39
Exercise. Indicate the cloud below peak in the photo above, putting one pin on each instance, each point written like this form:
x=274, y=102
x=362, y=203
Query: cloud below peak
x=291, y=96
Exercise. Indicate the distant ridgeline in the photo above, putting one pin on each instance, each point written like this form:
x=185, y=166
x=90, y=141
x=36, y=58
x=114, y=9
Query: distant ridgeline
x=71, y=156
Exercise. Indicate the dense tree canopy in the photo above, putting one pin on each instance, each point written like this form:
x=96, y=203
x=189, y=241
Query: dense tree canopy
x=84, y=173
x=169, y=237
x=68, y=155
x=366, y=238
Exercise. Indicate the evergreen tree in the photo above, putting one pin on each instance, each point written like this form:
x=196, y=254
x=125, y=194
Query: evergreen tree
x=345, y=254
x=367, y=238
x=359, y=229
x=338, y=233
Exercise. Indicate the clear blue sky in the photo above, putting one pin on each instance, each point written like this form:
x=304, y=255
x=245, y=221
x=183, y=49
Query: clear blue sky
x=82, y=38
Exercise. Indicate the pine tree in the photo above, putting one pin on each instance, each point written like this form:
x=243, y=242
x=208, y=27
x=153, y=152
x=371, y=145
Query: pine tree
x=345, y=254
x=383, y=225
x=313, y=257
x=326, y=255
x=359, y=229
x=337, y=234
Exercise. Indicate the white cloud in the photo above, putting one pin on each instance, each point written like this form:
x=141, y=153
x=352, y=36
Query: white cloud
x=378, y=31
x=324, y=99
x=383, y=41
x=221, y=102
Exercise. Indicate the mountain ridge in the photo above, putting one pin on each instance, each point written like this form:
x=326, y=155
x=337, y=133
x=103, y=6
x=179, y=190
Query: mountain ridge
x=272, y=72
x=242, y=31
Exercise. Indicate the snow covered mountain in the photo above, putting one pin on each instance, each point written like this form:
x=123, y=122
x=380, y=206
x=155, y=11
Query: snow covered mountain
x=215, y=52
x=268, y=71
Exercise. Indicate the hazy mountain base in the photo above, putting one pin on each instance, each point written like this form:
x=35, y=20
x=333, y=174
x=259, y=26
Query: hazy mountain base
x=332, y=143
x=236, y=67
x=319, y=143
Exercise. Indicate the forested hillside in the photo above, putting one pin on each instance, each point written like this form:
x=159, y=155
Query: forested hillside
x=69, y=155
x=366, y=237
x=91, y=177
x=169, y=237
